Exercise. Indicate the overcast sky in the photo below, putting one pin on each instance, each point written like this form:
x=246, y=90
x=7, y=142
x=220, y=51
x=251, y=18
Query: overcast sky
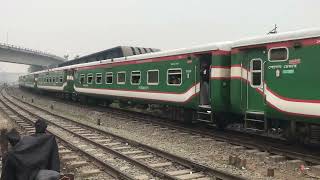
x=82, y=26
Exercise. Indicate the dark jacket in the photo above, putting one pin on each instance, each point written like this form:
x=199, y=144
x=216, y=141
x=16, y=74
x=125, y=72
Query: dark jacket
x=205, y=73
x=30, y=155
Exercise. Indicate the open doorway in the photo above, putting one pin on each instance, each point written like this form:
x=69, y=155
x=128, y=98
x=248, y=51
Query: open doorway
x=205, y=61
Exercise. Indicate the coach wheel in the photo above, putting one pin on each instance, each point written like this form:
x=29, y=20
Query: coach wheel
x=123, y=104
x=298, y=133
x=291, y=133
x=107, y=103
x=67, y=96
x=145, y=106
x=188, y=116
x=93, y=101
x=221, y=121
x=289, y=137
x=304, y=133
x=83, y=100
x=74, y=97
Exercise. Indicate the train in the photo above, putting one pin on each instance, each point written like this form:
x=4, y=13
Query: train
x=266, y=84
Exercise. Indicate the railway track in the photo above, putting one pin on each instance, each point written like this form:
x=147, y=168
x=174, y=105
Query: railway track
x=79, y=166
x=251, y=141
x=136, y=159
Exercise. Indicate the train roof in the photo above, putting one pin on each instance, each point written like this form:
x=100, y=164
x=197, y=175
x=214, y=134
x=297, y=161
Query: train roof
x=280, y=37
x=115, y=52
x=224, y=46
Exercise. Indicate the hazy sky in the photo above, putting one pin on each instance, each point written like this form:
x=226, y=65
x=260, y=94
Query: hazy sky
x=82, y=26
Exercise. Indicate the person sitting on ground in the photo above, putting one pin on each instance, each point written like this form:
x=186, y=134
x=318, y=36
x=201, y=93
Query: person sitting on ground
x=41, y=127
x=35, y=157
x=44, y=174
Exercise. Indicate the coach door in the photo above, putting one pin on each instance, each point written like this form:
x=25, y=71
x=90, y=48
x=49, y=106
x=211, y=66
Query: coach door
x=255, y=115
x=255, y=85
x=70, y=75
x=36, y=80
x=205, y=61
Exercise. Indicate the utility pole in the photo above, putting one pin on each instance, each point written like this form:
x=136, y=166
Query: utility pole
x=7, y=37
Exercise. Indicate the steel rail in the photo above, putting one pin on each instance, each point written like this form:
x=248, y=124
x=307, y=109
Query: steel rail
x=251, y=141
x=109, y=169
x=183, y=161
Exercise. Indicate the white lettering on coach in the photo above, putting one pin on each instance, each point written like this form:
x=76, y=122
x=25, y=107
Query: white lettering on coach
x=275, y=67
x=290, y=66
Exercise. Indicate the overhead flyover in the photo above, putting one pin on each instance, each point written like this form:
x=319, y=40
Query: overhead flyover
x=14, y=54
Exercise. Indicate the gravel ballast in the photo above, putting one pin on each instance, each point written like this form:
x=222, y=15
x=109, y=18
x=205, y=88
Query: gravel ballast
x=207, y=152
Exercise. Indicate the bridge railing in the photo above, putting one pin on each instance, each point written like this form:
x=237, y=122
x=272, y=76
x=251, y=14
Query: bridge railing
x=19, y=48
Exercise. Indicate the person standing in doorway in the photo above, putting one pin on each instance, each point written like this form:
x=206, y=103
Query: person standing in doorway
x=204, y=89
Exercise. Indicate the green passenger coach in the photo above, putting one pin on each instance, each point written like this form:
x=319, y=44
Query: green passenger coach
x=274, y=83
x=27, y=81
x=171, y=79
x=266, y=84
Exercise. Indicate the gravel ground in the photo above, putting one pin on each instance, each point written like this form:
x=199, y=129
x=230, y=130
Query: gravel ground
x=84, y=145
x=6, y=123
x=211, y=153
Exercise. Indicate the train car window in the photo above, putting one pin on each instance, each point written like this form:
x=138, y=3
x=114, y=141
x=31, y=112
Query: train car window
x=109, y=78
x=153, y=77
x=121, y=77
x=174, y=77
x=61, y=79
x=256, y=72
x=278, y=54
x=256, y=65
x=139, y=50
x=98, y=78
x=135, y=77
x=133, y=51
x=50, y=79
x=82, y=78
x=89, y=78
